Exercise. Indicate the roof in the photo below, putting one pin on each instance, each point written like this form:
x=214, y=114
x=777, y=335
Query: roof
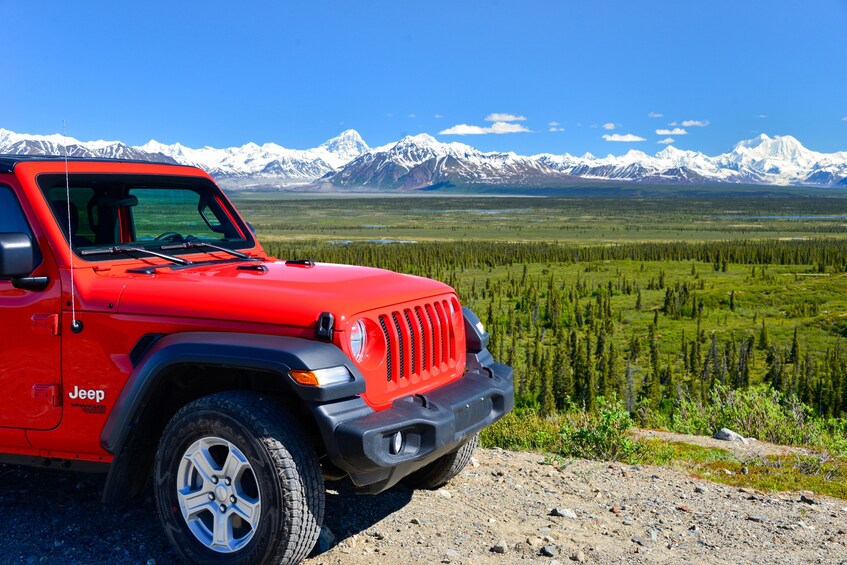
x=8, y=162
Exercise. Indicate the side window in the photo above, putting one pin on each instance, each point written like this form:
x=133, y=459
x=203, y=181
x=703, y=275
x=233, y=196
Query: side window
x=12, y=219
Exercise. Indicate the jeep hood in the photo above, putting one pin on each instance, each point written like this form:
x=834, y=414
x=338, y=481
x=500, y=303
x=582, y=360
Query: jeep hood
x=273, y=293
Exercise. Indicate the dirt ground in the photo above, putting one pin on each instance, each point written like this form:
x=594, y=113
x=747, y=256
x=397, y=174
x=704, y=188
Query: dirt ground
x=501, y=509
x=612, y=513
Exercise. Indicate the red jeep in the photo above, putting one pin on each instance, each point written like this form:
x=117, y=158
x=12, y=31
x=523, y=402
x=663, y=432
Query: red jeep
x=146, y=333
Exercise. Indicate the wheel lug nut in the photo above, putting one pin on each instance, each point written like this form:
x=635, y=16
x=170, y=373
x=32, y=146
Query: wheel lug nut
x=232, y=499
x=228, y=481
x=215, y=480
x=211, y=496
x=223, y=508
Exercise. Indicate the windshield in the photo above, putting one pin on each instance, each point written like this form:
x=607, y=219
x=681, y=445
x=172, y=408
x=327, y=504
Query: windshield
x=148, y=211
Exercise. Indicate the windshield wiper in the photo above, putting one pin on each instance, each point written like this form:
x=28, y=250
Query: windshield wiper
x=127, y=248
x=194, y=244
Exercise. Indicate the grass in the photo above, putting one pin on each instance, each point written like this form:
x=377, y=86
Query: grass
x=525, y=430
x=810, y=298
x=590, y=220
x=816, y=472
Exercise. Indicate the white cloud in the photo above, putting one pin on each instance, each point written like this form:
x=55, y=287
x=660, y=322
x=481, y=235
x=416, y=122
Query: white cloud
x=496, y=127
x=412, y=116
x=844, y=119
x=497, y=117
x=553, y=124
x=673, y=124
x=763, y=116
x=609, y=126
x=674, y=131
x=695, y=123
x=556, y=128
x=666, y=140
x=655, y=115
x=622, y=137
x=438, y=116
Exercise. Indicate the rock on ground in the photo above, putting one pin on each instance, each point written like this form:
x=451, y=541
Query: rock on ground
x=508, y=499
x=511, y=499
x=728, y=435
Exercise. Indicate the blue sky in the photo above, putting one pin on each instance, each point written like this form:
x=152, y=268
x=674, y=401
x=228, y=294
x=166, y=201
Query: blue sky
x=297, y=73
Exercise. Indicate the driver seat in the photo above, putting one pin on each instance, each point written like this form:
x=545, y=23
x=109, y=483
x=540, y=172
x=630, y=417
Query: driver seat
x=60, y=210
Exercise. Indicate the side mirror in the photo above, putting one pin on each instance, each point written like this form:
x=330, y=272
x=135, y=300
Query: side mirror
x=15, y=255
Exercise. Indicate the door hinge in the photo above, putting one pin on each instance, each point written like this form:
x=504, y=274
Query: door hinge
x=49, y=393
x=324, y=329
x=45, y=323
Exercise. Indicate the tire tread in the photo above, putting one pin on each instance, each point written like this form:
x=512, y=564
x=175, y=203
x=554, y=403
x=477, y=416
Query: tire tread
x=442, y=470
x=294, y=461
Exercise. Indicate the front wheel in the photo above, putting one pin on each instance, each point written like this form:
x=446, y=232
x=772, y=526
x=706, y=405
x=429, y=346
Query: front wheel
x=439, y=472
x=236, y=481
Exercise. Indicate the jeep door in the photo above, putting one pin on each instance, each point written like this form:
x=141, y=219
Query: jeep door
x=30, y=354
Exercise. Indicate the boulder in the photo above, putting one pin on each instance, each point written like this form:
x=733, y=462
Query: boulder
x=728, y=435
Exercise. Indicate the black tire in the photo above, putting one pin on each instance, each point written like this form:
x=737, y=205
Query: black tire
x=274, y=461
x=439, y=472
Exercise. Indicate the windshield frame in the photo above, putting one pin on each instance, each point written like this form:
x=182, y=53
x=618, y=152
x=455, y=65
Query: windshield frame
x=127, y=181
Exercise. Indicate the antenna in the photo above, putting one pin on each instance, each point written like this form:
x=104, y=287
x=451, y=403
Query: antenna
x=76, y=325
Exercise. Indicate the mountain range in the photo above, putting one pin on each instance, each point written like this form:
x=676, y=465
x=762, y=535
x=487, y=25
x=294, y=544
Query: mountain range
x=419, y=162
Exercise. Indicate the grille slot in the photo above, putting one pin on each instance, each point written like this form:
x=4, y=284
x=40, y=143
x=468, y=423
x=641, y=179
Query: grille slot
x=444, y=329
x=433, y=333
x=424, y=347
x=401, y=348
x=414, y=338
x=387, y=346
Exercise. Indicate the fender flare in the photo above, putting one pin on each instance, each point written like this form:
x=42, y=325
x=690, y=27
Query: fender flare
x=276, y=355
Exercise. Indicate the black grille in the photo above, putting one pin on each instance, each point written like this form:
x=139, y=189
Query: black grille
x=420, y=342
x=424, y=348
x=414, y=339
x=400, y=347
x=443, y=330
x=432, y=333
x=387, y=346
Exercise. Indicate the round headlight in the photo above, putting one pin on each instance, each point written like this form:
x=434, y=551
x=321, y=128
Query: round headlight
x=358, y=339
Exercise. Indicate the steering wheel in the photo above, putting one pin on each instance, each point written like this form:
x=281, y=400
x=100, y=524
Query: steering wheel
x=168, y=236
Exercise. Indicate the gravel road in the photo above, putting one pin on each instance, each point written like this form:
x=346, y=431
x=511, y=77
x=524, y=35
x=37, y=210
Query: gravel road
x=505, y=508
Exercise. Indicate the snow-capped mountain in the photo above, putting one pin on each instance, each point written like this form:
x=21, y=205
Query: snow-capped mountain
x=26, y=144
x=268, y=162
x=420, y=161
x=781, y=160
x=249, y=165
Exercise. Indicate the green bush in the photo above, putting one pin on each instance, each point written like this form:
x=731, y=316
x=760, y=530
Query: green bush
x=524, y=429
x=759, y=412
x=602, y=435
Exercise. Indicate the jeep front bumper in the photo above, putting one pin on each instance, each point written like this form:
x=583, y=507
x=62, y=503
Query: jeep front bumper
x=364, y=443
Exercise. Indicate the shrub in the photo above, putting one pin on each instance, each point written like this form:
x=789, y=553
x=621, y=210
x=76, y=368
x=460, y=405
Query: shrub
x=524, y=429
x=602, y=435
x=759, y=412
